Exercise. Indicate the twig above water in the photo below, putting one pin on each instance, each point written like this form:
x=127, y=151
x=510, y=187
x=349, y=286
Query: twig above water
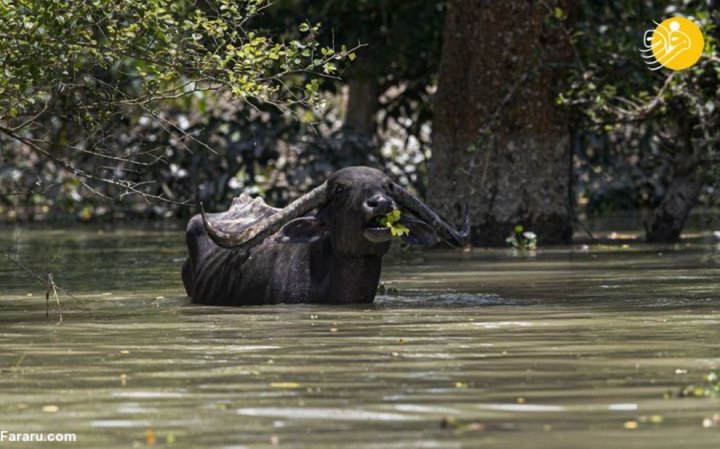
x=51, y=285
x=48, y=280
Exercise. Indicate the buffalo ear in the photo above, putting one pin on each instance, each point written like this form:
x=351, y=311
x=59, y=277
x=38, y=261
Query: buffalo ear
x=421, y=234
x=303, y=229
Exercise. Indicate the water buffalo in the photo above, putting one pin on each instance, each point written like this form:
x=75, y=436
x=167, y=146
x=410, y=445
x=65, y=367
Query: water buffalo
x=325, y=247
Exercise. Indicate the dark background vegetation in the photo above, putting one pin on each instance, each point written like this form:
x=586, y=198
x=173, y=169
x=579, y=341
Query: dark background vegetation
x=536, y=113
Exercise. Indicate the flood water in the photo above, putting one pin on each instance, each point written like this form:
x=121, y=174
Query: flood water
x=571, y=347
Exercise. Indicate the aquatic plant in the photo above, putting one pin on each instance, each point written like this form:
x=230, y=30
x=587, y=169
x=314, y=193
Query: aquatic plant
x=709, y=388
x=522, y=239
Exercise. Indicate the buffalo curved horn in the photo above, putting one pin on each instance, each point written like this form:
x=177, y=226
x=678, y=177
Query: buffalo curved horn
x=268, y=224
x=423, y=212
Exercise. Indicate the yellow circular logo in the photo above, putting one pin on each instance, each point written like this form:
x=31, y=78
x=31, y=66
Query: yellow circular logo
x=676, y=43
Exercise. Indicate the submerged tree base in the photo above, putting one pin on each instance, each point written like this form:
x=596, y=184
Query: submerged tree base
x=673, y=211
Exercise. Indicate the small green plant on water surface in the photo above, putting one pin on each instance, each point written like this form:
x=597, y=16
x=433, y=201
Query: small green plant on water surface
x=710, y=388
x=392, y=221
x=522, y=239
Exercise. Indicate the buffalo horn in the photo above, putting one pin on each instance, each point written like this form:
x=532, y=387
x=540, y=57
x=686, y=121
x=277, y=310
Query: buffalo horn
x=268, y=225
x=423, y=212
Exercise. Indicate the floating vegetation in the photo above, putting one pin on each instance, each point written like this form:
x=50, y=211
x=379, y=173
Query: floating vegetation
x=631, y=425
x=522, y=239
x=634, y=424
x=711, y=422
x=150, y=437
x=710, y=388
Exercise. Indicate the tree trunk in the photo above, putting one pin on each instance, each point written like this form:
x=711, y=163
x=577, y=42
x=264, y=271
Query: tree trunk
x=684, y=189
x=671, y=214
x=362, y=104
x=682, y=193
x=358, y=131
x=500, y=142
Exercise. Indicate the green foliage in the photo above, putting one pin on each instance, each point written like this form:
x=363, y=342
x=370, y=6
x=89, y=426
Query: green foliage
x=145, y=50
x=80, y=81
x=709, y=388
x=521, y=239
x=392, y=221
x=171, y=98
x=637, y=127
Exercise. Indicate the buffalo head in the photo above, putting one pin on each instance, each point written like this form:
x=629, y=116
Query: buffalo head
x=346, y=209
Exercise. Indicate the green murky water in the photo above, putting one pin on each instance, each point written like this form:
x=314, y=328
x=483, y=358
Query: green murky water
x=559, y=350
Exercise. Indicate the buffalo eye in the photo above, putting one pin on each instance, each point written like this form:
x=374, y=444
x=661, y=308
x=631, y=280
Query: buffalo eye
x=337, y=189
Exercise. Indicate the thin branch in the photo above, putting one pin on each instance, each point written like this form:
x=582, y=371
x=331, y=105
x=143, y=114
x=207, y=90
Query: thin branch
x=51, y=285
x=47, y=280
x=643, y=109
x=568, y=35
x=130, y=188
x=31, y=119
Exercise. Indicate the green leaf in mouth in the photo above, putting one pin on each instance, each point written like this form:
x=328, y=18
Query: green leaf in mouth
x=392, y=222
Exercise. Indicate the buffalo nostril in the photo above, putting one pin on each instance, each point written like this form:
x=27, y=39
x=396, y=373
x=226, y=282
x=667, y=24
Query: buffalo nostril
x=379, y=204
